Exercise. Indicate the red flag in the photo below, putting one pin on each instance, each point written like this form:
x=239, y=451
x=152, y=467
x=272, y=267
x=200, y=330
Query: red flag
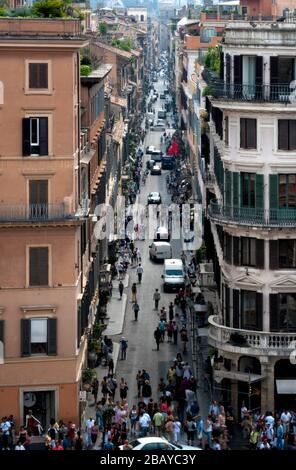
x=173, y=149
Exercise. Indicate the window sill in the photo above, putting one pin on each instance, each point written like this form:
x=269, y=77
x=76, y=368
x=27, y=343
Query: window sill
x=39, y=92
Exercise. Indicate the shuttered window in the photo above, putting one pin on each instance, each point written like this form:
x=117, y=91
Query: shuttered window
x=236, y=250
x=273, y=191
x=273, y=254
x=248, y=189
x=226, y=130
x=287, y=134
x=35, y=136
x=228, y=248
x=38, y=191
x=227, y=306
x=38, y=266
x=286, y=254
x=238, y=70
x=248, y=133
x=287, y=191
x=38, y=76
x=248, y=310
x=248, y=251
x=39, y=336
x=236, y=308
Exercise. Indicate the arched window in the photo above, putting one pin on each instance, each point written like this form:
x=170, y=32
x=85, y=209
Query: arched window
x=1, y=93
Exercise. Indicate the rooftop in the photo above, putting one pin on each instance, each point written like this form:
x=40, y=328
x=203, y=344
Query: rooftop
x=263, y=33
x=40, y=28
x=116, y=50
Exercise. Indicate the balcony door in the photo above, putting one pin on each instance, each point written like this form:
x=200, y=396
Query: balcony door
x=249, y=77
x=38, y=199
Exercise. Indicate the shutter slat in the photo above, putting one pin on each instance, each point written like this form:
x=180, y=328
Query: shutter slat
x=25, y=337
x=236, y=309
x=228, y=69
x=238, y=70
x=26, y=137
x=259, y=72
x=243, y=133
x=236, y=250
x=260, y=254
x=43, y=136
x=273, y=312
x=292, y=134
x=273, y=192
x=43, y=76
x=227, y=176
x=259, y=311
x=273, y=254
x=259, y=191
x=52, y=336
x=235, y=189
x=274, y=70
x=38, y=266
x=33, y=75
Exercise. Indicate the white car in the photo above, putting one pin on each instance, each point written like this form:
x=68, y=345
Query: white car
x=155, y=170
x=158, y=127
x=150, y=149
x=158, y=444
x=154, y=198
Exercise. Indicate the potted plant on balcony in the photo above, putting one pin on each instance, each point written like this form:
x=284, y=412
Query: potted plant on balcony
x=238, y=340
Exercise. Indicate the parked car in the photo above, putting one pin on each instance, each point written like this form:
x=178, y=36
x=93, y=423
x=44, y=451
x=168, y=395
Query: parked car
x=150, y=149
x=158, y=127
x=154, y=198
x=157, y=444
x=150, y=164
x=156, y=170
x=157, y=155
x=160, y=122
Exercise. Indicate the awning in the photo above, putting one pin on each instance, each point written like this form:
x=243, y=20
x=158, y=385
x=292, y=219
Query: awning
x=240, y=376
x=286, y=386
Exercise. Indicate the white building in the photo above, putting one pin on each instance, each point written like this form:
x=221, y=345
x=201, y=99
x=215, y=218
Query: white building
x=252, y=213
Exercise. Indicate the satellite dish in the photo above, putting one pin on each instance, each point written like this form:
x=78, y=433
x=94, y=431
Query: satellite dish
x=29, y=399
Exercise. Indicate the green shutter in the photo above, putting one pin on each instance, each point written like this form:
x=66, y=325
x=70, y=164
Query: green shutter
x=259, y=192
x=227, y=187
x=235, y=189
x=273, y=191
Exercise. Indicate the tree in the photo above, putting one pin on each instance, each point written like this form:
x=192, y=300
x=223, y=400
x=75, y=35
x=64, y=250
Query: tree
x=103, y=28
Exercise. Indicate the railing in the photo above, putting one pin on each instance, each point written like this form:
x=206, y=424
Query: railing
x=210, y=178
x=33, y=212
x=279, y=93
x=253, y=216
x=250, y=339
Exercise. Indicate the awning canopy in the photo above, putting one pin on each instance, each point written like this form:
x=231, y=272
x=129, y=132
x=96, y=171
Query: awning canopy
x=240, y=376
x=286, y=386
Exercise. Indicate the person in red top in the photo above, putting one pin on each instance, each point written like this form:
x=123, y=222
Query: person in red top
x=58, y=445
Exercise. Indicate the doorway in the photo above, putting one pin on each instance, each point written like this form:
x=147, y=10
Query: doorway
x=42, y=403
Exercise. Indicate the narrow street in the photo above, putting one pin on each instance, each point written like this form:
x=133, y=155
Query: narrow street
x=141, y=353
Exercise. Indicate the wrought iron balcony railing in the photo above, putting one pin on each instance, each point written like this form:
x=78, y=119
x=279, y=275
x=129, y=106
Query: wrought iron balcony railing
x=279, y=93
x=281, y=217
x=33, y=212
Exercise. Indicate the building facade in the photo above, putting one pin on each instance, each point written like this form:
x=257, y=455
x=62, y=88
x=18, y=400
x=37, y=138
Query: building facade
x=252, y=214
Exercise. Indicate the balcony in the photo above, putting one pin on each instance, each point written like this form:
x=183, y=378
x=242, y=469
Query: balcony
x=248, y=341
x=280, y=93
x=252, y=216
x=34, y=212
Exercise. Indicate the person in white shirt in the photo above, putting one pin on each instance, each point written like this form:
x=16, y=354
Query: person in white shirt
x=269, y=419
x=144, y=423
x=286, y=419
x=176, y=430
x=140, y=271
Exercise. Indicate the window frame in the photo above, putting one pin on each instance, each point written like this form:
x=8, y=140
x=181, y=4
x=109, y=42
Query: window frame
x=289, y=132
x=248, y=241
x=39, y=245
x=244, y=324
x=282, y=243
x=38, y=91
x=244, y=128
x=287, y=187
x=45, y=319
x=281, y=314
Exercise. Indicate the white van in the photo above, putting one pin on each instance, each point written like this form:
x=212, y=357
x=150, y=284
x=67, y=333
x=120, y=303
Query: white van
x=173, y=275
x=160, y=251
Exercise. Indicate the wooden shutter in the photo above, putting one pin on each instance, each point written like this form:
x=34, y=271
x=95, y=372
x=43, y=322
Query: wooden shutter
x=273, y=191
x=221, y=74
x=251, y=130
x=236, y=309
x=228, y=248
x=259, y=311
x=238, y=70
x=38, y=192
x=259, y=71
x=273, y=312
x=38, y=266
x=228, y=69
x=25, y=337
x=260, y=254
x=292, y=134
x=273, y=254
x=227, y=177
x=52, y=336
x=33, y=80
x=274, y=70
x=38, y=75
x=43, y=136
x=236, y=250
x=79, y=329
x=243, y=133
x=2, y=334
x=235, y=189
x=227, y=306
x=283, y=134
x=26, y=137
x=259, y=191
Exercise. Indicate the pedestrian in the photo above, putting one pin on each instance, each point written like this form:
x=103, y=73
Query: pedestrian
x=146, y=392
x=162, y=328
x=156, y=298
x=136, y=309
x=95, y=389
x=110, y=288
x=169, y=329
x=138, y=253
x=190, y=428
x=134, y=292
x=184, y=338
x=123, y=388
x=140, y=271
x=157, y=336
x=158, y=422
x=120, y=287
x=171, y=311
x=176, y=430
x=175, y=332
x=110, y=366
x=123, y=347
x=139, y=380
x=133, y=416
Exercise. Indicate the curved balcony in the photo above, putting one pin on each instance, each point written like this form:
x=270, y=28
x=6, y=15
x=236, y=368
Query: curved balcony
x=249, y=342
x=252, y=216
